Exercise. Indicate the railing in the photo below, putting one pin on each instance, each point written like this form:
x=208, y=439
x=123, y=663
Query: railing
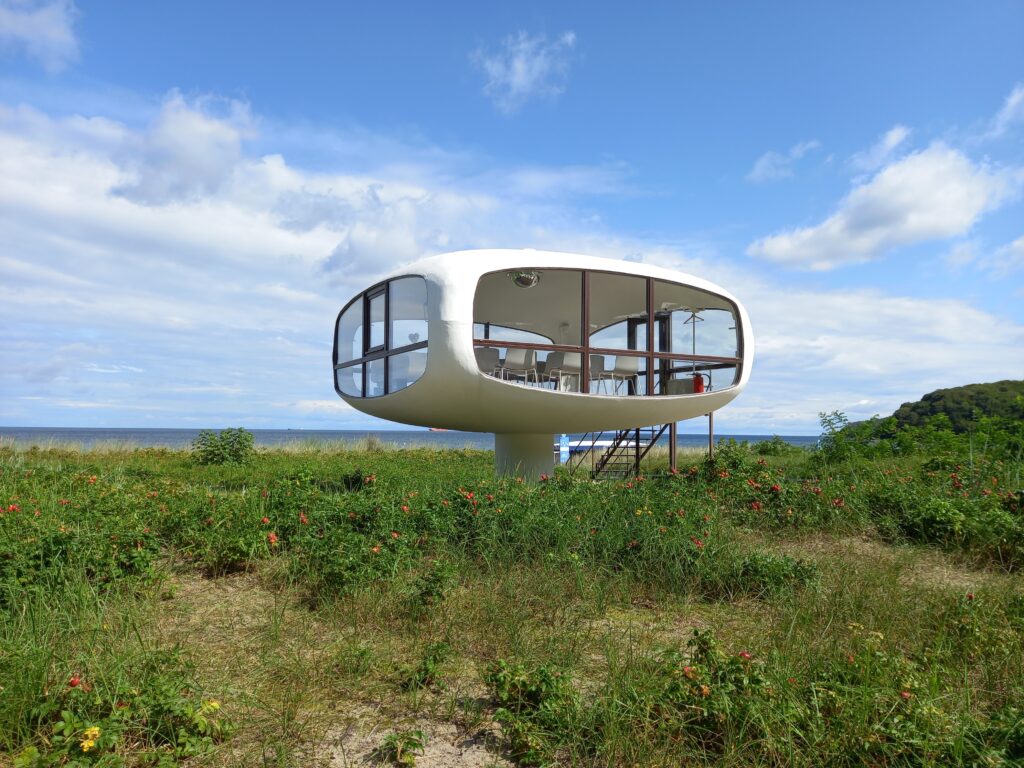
x=653, y=373
x=627, y=450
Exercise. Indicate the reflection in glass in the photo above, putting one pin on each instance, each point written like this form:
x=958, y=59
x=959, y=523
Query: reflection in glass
x=547, y=312
x=375, y=378
x=350, y=380
x=618, y=311
x=407, y=312
x=693, y=322
x=376, y=322
x=350, y=332
x=405, y=368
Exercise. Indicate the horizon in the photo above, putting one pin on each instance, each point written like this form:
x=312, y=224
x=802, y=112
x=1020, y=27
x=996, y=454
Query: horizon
x=189, y=197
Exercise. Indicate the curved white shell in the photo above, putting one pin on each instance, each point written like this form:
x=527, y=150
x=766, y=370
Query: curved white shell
x=454, y=394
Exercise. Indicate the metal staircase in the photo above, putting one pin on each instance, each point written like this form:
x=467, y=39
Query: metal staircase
x=620, y=459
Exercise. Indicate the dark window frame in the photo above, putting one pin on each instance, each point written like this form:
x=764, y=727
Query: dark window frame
x=379, y=351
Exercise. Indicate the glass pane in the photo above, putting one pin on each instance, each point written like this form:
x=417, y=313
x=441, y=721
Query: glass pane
x=618, y=311
x=693, y=322
x=350, y=380
x=498, y=333
x=407, y=312
x=350, y=332
x=539, y=305
x=375, y=378
x=405, y=368
x=376, y=321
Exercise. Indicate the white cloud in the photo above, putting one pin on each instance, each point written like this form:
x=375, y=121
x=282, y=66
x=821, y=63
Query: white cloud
x=214, y=306
x=881, y=151
x=188, y=151
x=932, y=194
x=43, y=30
x=1010, y=115
x=526, y=67
x=772, y=165
x=1000, y=263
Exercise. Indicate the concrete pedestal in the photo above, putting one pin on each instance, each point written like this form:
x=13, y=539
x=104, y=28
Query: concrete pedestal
x=526, y=456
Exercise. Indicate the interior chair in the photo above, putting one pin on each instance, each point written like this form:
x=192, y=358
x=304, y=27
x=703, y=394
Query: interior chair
x=564, y=368
x=488, y=360
x=626, y=368
x=598, y=373
x=520, y=363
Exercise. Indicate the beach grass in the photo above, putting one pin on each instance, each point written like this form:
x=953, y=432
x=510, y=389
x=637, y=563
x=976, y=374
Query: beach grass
x=317, y=605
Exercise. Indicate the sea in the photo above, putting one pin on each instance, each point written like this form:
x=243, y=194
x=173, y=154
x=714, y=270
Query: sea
x=88, y=437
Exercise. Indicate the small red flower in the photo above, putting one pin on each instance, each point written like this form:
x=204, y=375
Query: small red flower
x=395, y=534
x=970, y=595
x=776, y=488
x=756, y=506
x=92, y=480
x=13, y=508
x=906, y=695
x=697, y=542
x=375, y=548
x=745, y=656
x=544, y=478
x=405, y=507
x=64, y=502
x=75, y=681
x=264, y=493
x=272, y=538
x=303, y=519
x=838, y=503
x=265, y=520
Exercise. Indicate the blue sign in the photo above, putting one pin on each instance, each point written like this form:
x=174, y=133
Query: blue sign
x=563, y=449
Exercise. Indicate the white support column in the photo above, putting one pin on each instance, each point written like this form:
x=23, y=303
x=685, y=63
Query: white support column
x=527, y=456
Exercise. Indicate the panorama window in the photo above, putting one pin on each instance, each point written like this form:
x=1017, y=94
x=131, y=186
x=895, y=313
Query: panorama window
x=604, y=333
x=381, y=339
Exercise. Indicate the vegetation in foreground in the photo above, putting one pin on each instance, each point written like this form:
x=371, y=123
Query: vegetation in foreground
x=860, y=604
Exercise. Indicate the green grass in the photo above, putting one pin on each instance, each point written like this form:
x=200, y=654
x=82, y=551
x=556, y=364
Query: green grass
x=316, y=603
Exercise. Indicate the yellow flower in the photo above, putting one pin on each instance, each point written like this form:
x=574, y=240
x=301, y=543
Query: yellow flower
x=87, y=744
x=92, y=733
x=210, y=705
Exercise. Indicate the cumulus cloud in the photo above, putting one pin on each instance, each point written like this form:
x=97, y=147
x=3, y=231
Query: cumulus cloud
x=212, y=303
x=526, y=67
x=772, y=165
x=42, y=30
x=881, y=151
x=188, y=151
x=932, y=194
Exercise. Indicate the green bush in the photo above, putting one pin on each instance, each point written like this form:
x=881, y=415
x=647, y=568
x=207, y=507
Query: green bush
x=229, y=446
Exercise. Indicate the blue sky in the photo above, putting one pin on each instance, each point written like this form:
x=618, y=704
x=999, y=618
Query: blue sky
x=190, y=191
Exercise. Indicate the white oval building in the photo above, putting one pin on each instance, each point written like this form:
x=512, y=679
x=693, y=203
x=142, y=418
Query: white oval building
x=527, y=344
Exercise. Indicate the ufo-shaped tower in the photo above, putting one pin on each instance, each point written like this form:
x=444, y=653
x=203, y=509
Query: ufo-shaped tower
x=527, y=344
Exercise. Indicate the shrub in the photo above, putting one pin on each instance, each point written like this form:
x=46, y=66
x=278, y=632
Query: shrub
x=229, y=446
